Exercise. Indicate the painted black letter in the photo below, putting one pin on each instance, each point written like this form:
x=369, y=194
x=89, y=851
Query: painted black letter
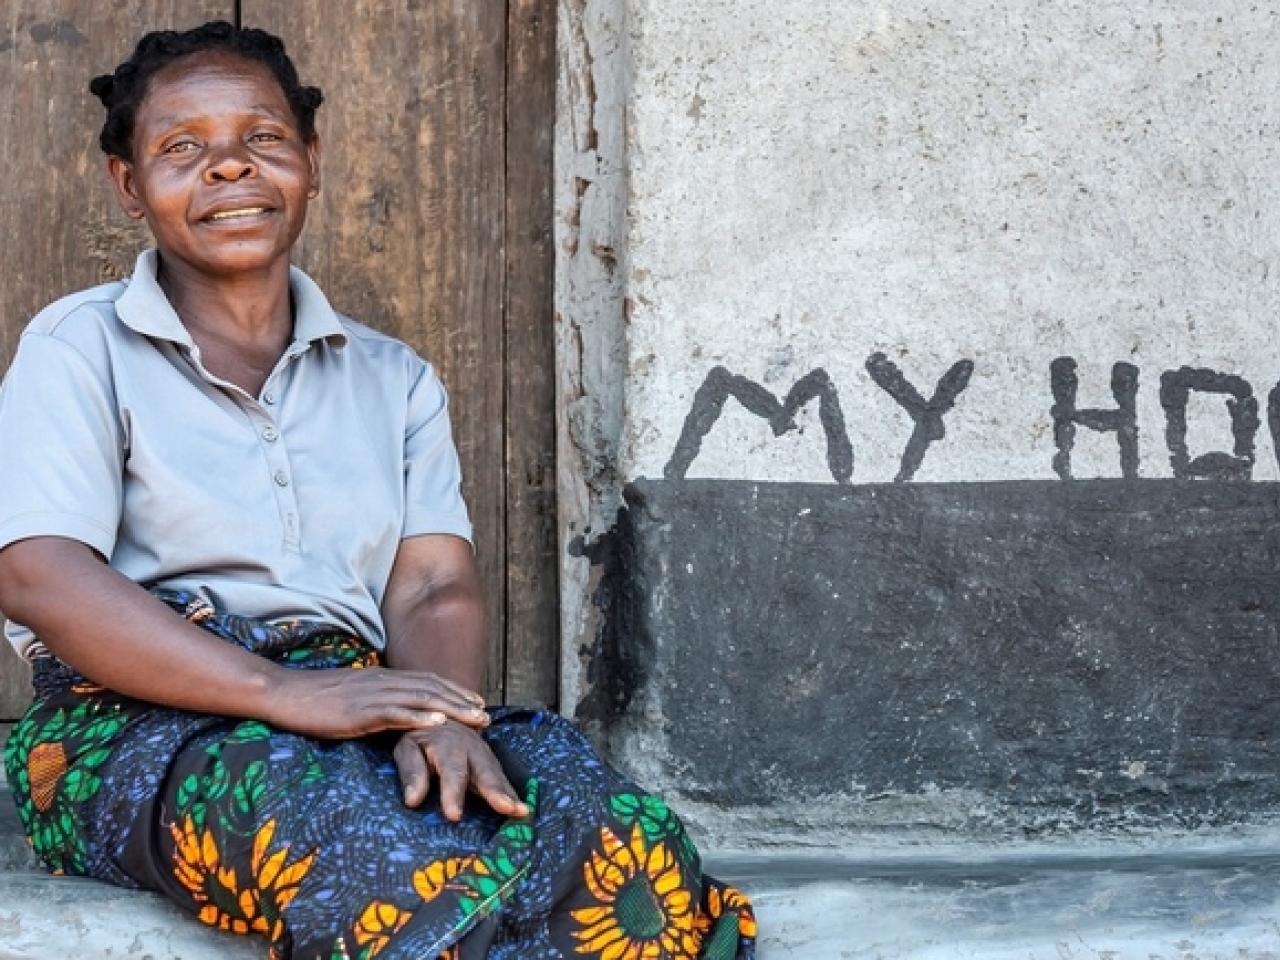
x=1175, y=388
x=720, y=385
x=1123, y=420
x=1273, y=419
x=927, y=416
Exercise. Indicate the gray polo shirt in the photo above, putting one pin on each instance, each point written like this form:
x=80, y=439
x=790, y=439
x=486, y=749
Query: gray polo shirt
x=289, y=504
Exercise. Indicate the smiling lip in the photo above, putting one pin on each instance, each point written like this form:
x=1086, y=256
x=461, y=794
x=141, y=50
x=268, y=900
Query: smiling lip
x=236, y=213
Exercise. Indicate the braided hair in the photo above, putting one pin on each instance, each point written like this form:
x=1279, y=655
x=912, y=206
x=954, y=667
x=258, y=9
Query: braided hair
x=123, y=90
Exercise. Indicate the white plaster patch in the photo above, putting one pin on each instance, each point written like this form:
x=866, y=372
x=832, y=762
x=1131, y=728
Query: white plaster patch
x=811, y=183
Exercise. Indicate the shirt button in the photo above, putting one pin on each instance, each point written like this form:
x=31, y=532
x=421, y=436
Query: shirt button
x=269, y=397
x=270, y=435
x=282, y=478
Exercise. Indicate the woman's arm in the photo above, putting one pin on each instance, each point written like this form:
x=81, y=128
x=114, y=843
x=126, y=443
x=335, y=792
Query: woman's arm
x=433, y=611
x=119, y=635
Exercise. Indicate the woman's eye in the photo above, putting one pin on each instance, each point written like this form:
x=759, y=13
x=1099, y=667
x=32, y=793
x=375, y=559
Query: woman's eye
x=180, y=147
x=264, y=137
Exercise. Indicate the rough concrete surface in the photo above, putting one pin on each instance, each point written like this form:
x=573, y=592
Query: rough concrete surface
x=1102, y=915
x=1211, y=907
x=43, y=917
x=813, y=184
x=590, y=203
x=1207, y=898
x=937, y=243
x=1027, y=657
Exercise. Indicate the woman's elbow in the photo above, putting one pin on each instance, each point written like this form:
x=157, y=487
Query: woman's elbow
x=30, y=567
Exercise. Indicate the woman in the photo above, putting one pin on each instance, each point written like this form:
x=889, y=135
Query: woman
x=250, y=696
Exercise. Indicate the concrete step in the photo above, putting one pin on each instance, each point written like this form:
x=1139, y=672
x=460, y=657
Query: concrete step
x=43, y=917
x=1202, y=906
x=1211, y=897
x=1212, y=902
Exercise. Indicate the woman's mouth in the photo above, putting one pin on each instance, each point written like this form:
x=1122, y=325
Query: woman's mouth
x=239, y=213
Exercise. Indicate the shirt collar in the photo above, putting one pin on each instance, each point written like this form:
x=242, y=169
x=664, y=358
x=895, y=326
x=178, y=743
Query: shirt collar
x=143, y=307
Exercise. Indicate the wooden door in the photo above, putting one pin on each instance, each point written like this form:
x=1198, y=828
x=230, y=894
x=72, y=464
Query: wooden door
x=434, y=224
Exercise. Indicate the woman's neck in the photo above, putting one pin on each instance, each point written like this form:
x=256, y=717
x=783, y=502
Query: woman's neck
x=251, y=311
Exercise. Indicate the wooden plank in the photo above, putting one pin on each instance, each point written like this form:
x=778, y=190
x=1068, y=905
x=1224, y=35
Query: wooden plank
x=60, y=229
x=15, y=683
x=407, y=232
x=532, y=584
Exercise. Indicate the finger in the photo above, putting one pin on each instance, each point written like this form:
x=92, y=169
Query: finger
x=451, y=772
x=445, y=685
x=415, y=775
x=393, y=716
x=465, y=714
x=404, y=692
x=471, y=696
x=491, y=783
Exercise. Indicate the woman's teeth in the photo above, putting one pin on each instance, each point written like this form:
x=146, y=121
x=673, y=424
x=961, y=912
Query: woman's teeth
x=242, y=212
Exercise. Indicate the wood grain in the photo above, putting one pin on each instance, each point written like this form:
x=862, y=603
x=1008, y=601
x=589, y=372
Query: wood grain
x=60, y=229
x=407, y=234
x=433, y=224
x=15, y=684
x=532, y=589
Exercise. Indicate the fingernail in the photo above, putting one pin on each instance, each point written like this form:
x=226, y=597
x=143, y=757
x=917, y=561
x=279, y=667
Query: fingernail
x=435, y=719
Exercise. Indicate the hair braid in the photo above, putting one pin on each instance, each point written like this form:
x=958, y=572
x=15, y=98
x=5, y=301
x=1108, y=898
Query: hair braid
x=122, y=90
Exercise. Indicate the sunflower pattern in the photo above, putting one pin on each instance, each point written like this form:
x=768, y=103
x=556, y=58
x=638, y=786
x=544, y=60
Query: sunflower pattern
x=644, y=908
x=52, y=761
x=252, y=903
x=658, y=822
x=308, y=844
x=724, y=919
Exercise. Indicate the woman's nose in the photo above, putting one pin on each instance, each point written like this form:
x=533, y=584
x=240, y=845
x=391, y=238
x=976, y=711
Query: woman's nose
x=229, y=166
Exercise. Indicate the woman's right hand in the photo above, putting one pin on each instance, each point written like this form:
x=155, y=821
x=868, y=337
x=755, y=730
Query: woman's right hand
x=342, y=704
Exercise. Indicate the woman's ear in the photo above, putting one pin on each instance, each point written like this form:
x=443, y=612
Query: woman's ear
x=313, y=156
x=120, y=171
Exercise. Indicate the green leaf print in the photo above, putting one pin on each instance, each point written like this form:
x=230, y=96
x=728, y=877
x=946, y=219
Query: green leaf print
x=248, y=732
x=188, y=790
x=315, y=772
x=53, y=729
x=80, y=785
x=688, y=853
x=250, y=788
x=102, y=729
x=518, y=833
x=94, y=758
x=216, y=781
x=655, y=818
x=723, y=944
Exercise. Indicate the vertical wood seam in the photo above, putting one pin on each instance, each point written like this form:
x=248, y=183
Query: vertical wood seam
x=506, y=354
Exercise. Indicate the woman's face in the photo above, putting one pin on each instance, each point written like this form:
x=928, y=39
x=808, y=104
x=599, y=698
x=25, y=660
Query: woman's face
x=219, y=170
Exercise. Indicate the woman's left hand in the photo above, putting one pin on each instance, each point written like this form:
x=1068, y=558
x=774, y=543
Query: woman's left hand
x=461, y=761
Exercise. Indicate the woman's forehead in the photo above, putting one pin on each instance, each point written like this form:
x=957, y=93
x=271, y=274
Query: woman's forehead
x=241, y=83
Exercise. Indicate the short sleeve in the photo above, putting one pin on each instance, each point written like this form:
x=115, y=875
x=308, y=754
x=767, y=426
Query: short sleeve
x=432, y=474
x=61, y=447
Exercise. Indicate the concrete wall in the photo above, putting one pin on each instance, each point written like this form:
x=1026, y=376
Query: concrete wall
x=1019, y=256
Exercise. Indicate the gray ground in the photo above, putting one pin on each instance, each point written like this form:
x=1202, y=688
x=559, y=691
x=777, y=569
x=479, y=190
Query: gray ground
x=1203, y=898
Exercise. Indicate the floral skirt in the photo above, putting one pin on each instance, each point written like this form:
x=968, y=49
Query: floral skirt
x=309, y=844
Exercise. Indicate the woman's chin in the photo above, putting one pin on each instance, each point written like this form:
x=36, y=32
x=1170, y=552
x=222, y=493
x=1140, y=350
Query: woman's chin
x=240, y=255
